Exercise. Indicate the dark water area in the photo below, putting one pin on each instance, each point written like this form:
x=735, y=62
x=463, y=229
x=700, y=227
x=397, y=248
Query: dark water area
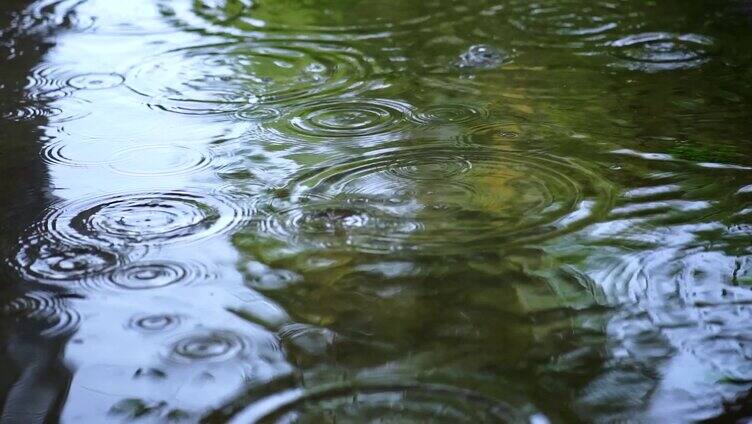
x=357, y=211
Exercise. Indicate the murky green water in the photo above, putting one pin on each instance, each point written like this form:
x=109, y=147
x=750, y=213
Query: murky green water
x=357, y=211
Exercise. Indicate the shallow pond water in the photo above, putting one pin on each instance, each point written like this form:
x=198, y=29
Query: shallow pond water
x=359, y=211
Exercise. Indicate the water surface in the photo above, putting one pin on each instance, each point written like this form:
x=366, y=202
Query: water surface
x=358, y=211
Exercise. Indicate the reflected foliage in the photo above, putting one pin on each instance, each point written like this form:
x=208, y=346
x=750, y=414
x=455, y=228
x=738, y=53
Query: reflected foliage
x=348, y=210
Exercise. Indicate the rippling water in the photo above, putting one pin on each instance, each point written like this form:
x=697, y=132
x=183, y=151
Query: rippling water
x=351, y=211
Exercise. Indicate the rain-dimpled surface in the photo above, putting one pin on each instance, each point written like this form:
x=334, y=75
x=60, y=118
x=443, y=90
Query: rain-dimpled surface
x=358, y=211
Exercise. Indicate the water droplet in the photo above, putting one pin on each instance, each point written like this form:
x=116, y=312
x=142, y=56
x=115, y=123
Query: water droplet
x=481, y=56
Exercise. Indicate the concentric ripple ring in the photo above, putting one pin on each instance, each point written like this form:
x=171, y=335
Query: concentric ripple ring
x=46, y=310
x=660, y=51
x=436, y=199
x=146, y=218
x=229, y=77
x=371, y=119
x=412, y=402
x=208, y=346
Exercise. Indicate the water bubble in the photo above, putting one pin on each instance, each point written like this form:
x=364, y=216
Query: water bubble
x=662, y=51
x=262, y=277
x=310, y=339
x=481, y=56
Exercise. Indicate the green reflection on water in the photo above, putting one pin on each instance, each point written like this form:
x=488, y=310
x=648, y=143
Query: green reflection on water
x=556, y=228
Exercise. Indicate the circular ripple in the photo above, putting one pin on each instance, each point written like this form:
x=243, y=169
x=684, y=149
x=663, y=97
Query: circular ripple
x=230, y=77
x=54, y=83
x=435, y=200
x=31, y=113
x=148, y=275
x=659, y=51
x=257, y=114
x=47, y=83
x=154, y=323
x=156, y=274
x=97, y=19
x=208, y=346
x=45, y=310
x=492, y=131
x=566, y=18
x=449, y=114
x=95, y=81
x=159, y=161
x=145, y=218
x=348, y=118
x=46, y=260
x=80, y=153
x=369, y=402
x=288, y=16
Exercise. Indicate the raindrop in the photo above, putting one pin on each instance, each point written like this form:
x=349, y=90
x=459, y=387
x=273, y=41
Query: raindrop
x=481, y=56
